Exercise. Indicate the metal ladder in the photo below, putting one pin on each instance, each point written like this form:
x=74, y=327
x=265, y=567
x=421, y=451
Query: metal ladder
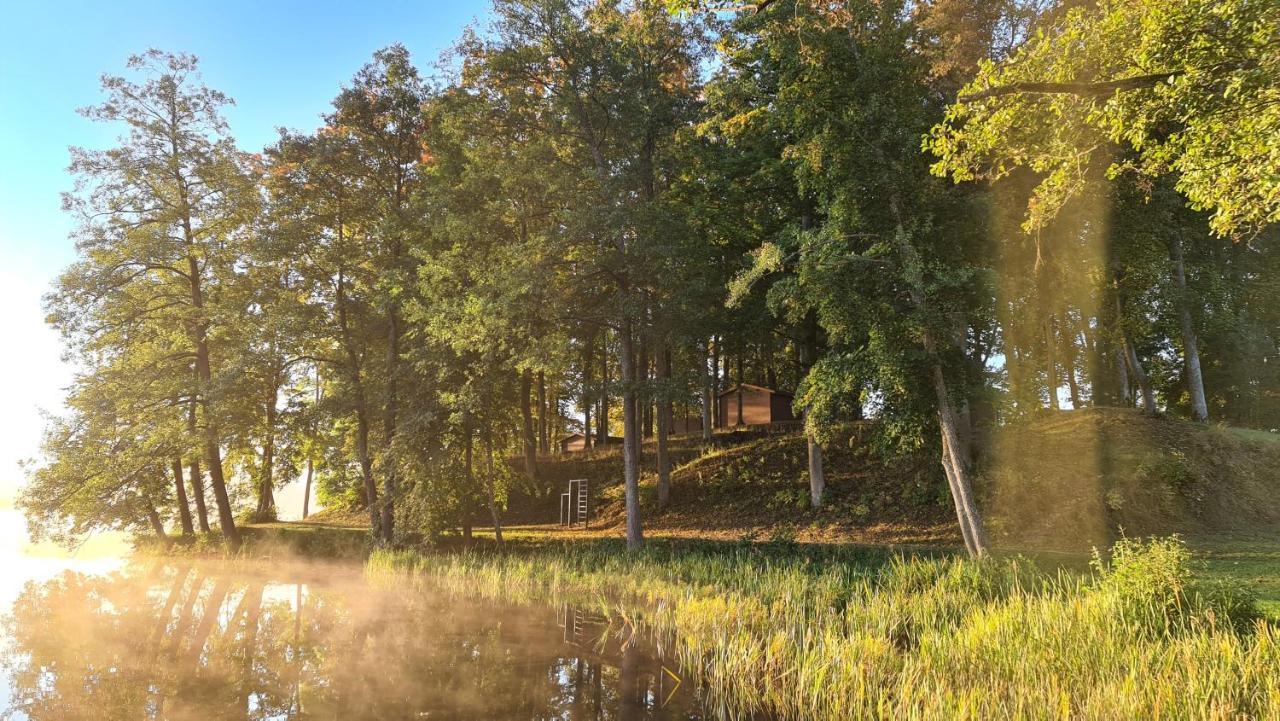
x=583, y=508
x=575, y=506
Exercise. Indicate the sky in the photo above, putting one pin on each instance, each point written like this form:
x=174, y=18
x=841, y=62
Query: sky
x=282, y=62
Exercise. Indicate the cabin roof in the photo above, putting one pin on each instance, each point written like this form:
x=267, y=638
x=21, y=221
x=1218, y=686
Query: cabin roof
x=752, y=386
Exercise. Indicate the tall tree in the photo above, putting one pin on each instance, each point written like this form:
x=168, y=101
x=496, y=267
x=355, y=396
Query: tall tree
x=160, y=217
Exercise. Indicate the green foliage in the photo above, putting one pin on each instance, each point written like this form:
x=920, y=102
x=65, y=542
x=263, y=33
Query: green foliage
x=1155, y=580
x=1189, y=86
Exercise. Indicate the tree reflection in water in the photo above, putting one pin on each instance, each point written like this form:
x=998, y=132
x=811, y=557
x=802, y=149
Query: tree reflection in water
x=226, y=642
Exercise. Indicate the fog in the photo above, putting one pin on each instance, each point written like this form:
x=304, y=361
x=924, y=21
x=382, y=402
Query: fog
x=215, y=640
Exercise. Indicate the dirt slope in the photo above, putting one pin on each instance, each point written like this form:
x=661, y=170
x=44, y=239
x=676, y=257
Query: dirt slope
x=1068, y=480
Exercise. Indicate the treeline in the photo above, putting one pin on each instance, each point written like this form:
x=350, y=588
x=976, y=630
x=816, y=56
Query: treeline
x=603, y=215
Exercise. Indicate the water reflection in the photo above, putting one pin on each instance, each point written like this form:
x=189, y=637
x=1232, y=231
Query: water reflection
x=221, y=642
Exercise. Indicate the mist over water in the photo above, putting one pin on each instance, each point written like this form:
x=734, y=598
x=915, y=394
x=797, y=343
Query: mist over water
x=269, y=640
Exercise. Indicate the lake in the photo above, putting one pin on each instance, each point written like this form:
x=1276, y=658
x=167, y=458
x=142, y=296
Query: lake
x=151, y=639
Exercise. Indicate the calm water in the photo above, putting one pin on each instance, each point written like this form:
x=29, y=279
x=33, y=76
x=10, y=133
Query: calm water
x=283, y=641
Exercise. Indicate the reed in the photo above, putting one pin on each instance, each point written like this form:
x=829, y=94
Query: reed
x=860, y=635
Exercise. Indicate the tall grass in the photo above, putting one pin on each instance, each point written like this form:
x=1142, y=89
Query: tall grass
x=853, y=635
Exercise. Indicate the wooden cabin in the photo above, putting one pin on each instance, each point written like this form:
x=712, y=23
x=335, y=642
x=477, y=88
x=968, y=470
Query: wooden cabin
x=573, y=443
x=760, y=406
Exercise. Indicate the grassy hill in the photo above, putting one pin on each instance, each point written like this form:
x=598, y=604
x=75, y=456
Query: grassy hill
x=1068, y=481
x=1055, y=487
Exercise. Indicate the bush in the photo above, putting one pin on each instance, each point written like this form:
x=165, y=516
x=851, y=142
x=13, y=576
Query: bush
x=268, y=516
x=1156, y=580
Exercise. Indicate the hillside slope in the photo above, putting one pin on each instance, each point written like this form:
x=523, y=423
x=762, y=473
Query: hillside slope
x=1068, y=480
x=1080, y=478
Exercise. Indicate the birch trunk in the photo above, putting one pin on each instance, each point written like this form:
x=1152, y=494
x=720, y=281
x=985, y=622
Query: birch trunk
x=1190, y=345
x=953, y=463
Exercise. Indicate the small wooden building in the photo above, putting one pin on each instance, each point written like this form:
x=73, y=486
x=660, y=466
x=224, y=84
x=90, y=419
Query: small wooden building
x=760, y=406
x=686, y=425
x=573, y=443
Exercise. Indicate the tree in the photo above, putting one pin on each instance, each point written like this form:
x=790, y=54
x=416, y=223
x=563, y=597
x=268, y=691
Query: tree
x=160, y=216
x=381, y=114
x=605, y=87
x=1189, y=87
x=1144, y=88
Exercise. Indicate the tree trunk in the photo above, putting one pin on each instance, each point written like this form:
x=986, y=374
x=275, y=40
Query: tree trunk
x=1140, y=375
x=953, y=462
x=718, y=421
x=588, y=358
x=491, y=485
x=198, y=330
x=153, y=517
x=817, y=478
x=366, y=470
x=180, y=492
x=530, y=441
x=1190, y=346
x=644, y=405
x=197, y=491
x=817, y=474
x=204, y=377
x=707, y=397
x=664, y=427
x=306, y=489
x=543, y=447
x=630, y=437
x=197, y=477
x=469, y=474
x=1135, y=366
x=1068, y=337
x=1051, y=362
x=602, y=417
x=266, y=480
x=741, y=380
x=354, y=370
x=389, y=424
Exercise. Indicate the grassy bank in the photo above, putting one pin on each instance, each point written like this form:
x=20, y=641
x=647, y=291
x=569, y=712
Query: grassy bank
x=314, y=540
x=857, y=633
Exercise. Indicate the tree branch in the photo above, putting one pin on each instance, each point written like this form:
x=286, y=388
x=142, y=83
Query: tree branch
x=1083, y=89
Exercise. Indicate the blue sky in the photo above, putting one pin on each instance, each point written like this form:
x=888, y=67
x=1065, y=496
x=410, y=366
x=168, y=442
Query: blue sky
x=281, y=61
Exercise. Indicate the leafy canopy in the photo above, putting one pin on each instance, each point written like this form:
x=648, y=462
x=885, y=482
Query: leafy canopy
x=1186, y=87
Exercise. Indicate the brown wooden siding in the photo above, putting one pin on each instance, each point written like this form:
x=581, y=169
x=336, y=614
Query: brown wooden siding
x=781, y=406
x=756, y=408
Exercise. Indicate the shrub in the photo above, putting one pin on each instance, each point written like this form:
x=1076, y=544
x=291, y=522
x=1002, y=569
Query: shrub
x=1156, y=581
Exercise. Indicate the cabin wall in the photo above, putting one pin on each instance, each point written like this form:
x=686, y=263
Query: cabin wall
x=685, y=426
x=573, y=445
x=756, y=408
x=781, y=408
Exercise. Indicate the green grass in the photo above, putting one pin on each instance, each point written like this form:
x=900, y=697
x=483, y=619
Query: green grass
x=834, y=633
x=275, y=539
x=1252, y=434
x=1255, y=562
